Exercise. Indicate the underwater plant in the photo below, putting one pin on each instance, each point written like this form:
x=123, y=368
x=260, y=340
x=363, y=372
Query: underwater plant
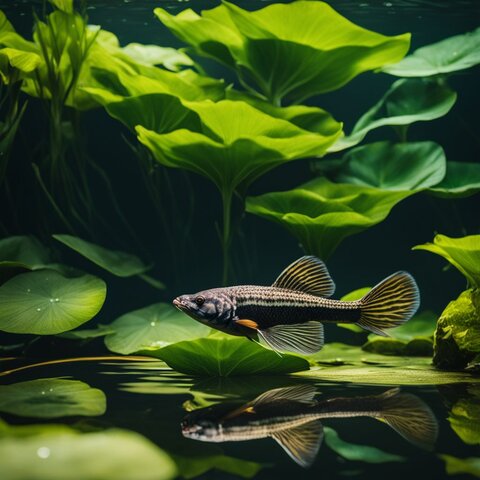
x=457, y=337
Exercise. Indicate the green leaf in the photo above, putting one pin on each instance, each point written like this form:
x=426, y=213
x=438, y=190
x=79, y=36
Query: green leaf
x=236, y=144
x=390, y=166
x=63, y=5
x=284, y=59
x=224, y=356
x=24, y=61
x=61, y=452
x=52, y=398
x=406, y=102
x=152, y=327
x=170, y=58
x=25, y=251
x=464, y=417
x=458, y=466
x=452, y=54
x=5, y=25
x=463, y=253
x=462, y=179
x=118, y=263
x=359, y=453
x=45, y=302
x=320, y=214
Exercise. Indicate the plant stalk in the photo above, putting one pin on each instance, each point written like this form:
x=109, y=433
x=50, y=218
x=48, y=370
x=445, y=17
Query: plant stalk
x=226, y=234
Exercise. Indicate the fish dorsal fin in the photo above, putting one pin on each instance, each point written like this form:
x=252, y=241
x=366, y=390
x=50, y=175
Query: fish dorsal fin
x=307, y=274
x=410, y=417
x=298, y=393
x=301, y=443
x=305, y=338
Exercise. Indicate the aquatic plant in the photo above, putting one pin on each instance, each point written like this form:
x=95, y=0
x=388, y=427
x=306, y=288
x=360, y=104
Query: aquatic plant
x=457, y=337
x=459, y=466
x=464, y=416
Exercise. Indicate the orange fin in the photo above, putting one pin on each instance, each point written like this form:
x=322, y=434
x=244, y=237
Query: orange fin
x=248, y=324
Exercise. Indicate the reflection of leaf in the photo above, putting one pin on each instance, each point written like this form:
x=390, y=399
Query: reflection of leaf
x=355, y=452
x=449, y=55
x=320, y=214
x=51, y=398
x=390, y=166
x=224, y=356
x=407, y=101
x=45, y=302
x=463, y=253
x=464, y=417
x=462, y=179
x=152, y=327
x=60, y=452
x=457, y=466
x=118, y=263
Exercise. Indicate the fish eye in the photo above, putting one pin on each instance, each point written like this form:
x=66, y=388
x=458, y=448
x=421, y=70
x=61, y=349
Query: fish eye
x=200, y=300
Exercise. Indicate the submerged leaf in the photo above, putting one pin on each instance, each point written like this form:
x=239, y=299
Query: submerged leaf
x=25, y=251
x=152, y=327
x=449, y=55
x=458, y=466
x=462, y=179
x=220, y=356
x=118, y=263
x=45, y=302
x=320, y=214
x=51, y=398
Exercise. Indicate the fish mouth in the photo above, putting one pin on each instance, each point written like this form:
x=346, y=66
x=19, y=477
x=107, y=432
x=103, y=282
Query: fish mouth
x=180, y=304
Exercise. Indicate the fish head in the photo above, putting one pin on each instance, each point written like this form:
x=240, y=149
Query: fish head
x=212, y=307
x=198, y=425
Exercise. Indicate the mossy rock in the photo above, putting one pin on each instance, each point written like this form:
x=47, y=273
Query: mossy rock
x=457, y=337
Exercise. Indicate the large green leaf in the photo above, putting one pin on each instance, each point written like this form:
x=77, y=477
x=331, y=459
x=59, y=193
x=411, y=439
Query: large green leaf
x=118, y=263
x=51, y=398
x=356, y=452
x=45, y=302
x=152, y=327
x=320, y=214
x=406, y=102
x=58, y=452
x=237, y=143
x=458, y=466
x=462, y=179
x=170, y=58
x=25, y=251
x=463, y=253
x=449, y=55
x=220, y=356
x=390, y=166
x=286, y=59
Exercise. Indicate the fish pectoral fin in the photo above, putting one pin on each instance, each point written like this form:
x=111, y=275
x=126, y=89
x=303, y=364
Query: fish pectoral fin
x=304, y=338
x=307, y=274
x=298, y=393
x=301, y=443
x=247, y=323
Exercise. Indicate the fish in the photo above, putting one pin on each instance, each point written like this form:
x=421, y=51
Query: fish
x=292, y=417
x=288, y=316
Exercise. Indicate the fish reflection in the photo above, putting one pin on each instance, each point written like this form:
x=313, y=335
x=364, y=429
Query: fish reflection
x=291, y=416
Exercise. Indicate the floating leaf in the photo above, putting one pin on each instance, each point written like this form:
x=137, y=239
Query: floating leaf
x=51, y=398
x=449, y=55
x=458, y=466
x=59, y=452
x=320, y=214
x=463, y=253
x=118, y=263
x=152, y=327
x=170, y=58
x=462, y=179
x=45, y=302
x=406, y=102
x=285, y=59
x=224, y=356
x=355, y=452
x=390, y=166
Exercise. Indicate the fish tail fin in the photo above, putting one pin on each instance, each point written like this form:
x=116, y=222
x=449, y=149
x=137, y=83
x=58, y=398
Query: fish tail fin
x=410, y=417
x=389, y=304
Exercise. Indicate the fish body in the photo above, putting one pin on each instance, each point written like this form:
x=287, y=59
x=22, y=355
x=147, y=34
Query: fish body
x=289, y=315
x=292, y=417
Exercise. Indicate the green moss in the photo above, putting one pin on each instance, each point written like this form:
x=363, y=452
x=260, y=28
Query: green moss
x=457, y=337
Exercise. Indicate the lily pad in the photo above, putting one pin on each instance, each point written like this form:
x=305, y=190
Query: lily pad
x=355, y=452
x=52, y=398
x=320, y=214
x=152, y=327
x=450, y=55
x=220, y=356
x=284, y=59
x=406, y=102
x=45, y=302
x=463, y=253
x=118, y=263
x=462, y=179
x=57, y=452
x=458, y=466
x=390, y=166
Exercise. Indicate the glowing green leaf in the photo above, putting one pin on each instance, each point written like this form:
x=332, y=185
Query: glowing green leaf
x=170, y=58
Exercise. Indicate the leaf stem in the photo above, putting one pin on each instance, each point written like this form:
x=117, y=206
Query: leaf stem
x=226, y=235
